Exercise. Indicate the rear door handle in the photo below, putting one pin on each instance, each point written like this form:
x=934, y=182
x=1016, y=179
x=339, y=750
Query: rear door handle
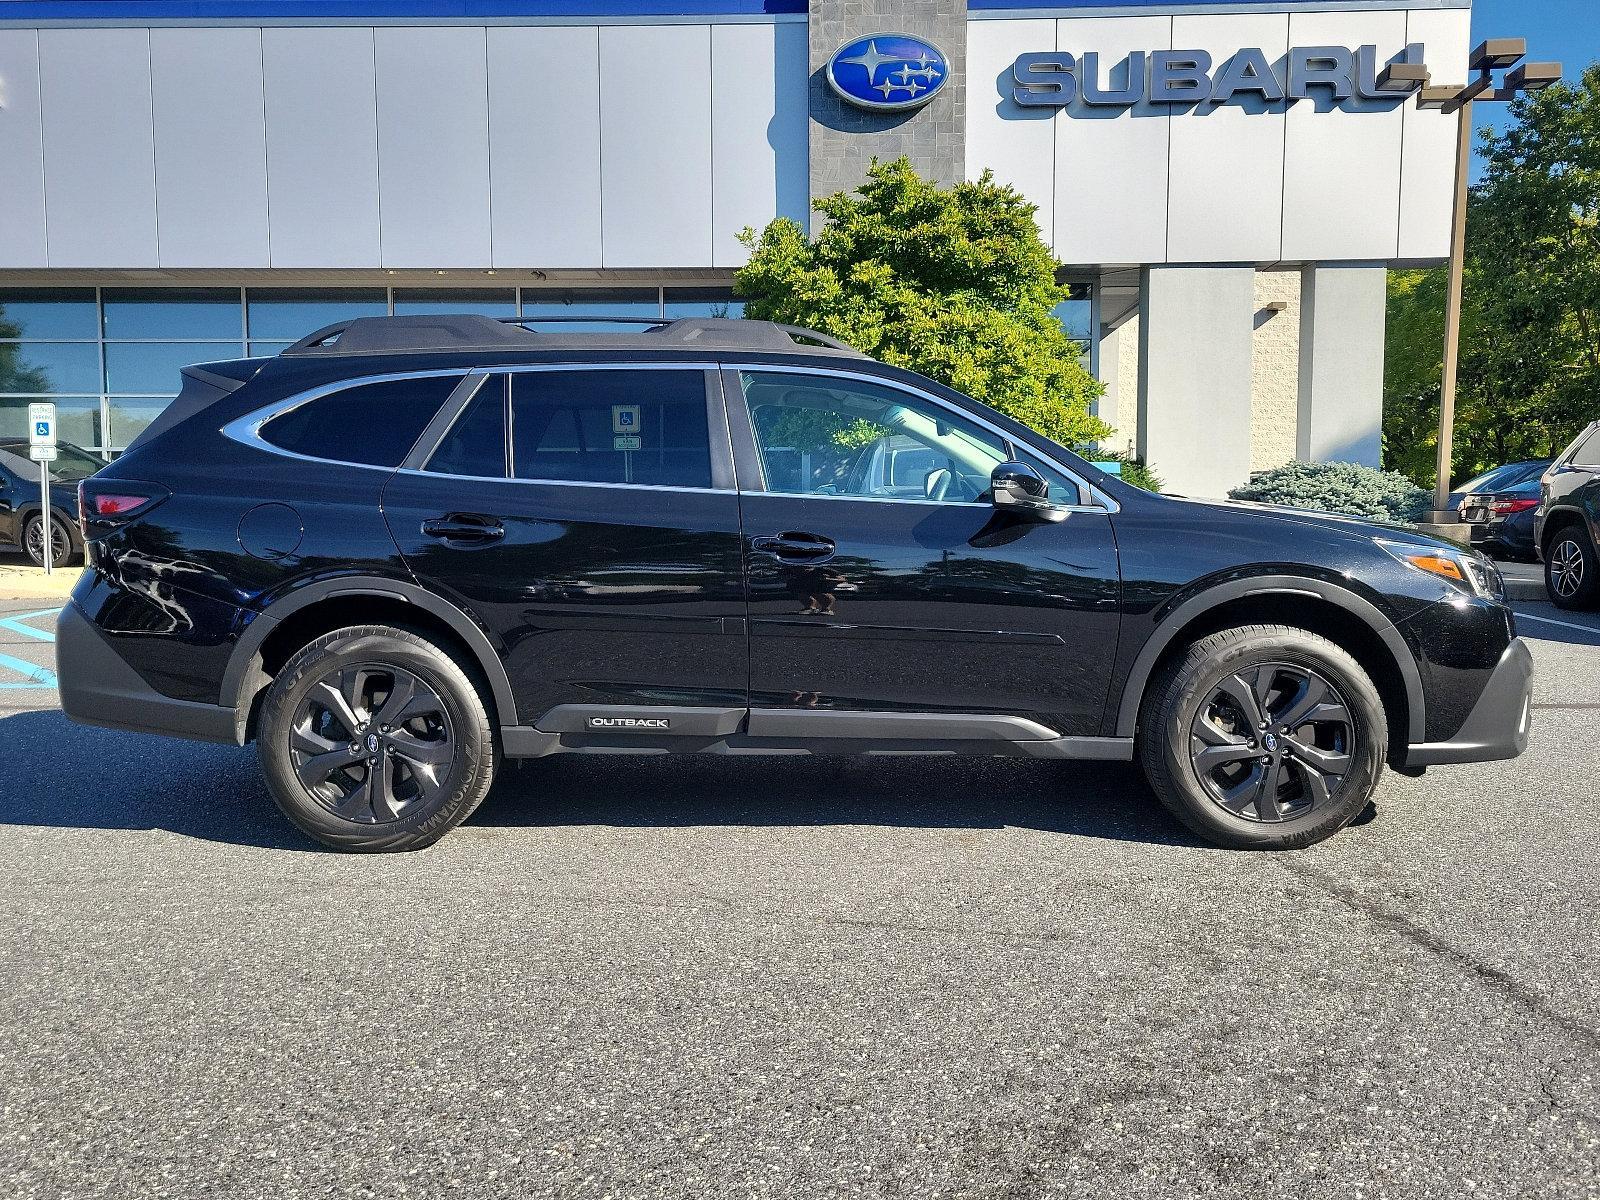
x=464, y=528
x=794, y=547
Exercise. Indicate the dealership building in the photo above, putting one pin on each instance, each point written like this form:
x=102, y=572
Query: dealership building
x=1226, y=182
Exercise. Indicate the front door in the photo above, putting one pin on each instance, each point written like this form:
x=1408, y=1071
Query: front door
x=586, y=518
x=882, y=580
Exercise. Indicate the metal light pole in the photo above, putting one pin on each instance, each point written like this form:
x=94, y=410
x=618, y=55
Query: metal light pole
x=1496, y=54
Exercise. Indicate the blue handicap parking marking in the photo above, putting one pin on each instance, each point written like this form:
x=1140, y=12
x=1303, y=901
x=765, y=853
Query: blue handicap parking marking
x=16, y=623
x=18, y=673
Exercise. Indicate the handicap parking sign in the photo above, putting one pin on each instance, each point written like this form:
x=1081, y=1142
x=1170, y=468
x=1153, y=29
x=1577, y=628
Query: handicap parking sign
x=624, y=418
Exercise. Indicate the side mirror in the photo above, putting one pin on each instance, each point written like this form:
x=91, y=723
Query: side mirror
x=1018, y=489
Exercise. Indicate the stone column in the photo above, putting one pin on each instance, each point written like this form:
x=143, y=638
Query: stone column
x=1343, y=318
x=1196, y=326
x=845, y=139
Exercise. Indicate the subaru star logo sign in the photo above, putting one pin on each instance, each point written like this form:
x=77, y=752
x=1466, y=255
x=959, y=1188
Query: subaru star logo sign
x=888, y=72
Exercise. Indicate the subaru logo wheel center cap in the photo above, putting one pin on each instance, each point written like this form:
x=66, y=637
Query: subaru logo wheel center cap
x=1271, y=743
x=888, y=72
x=372, y=743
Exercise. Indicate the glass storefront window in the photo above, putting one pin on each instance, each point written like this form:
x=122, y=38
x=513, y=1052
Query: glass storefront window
x=291, y=313
x=49, y=367
x=56, y=314
x=151, y=368
x=550, y=305
x=267, y=349
x=490, y=302
x=701, y=302
x=77, y=419
x=130, y=414
x=171, y=313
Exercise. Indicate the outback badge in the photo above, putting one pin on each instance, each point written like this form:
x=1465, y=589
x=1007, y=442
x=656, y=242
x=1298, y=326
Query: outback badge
x=629, y=723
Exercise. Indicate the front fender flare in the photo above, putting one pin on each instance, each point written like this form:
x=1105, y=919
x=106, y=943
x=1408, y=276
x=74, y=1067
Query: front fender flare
x=1282, y=585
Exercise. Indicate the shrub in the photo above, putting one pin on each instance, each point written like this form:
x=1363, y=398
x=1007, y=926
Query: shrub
x=1339, y=488
x=1133, y=471
x=952, y=282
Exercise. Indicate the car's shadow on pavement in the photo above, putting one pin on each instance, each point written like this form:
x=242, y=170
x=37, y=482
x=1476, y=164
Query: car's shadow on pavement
x=62, y=775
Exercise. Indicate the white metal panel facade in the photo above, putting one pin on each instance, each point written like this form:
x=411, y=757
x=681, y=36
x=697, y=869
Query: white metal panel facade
x=22, y=234
x=1344, y=159
x=211, y=152
x=655, y=149
x=1429, y=155
x=1225, y=195
x=322, y=147
x=99, y=147
x=433, y=147
x=1019, y=143
x=1112, y=165
x=544, y=144
x=759, y=143
x=1248, y=181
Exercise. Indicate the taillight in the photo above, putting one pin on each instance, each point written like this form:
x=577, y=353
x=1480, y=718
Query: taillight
x=105, y=504
x=1502, y=507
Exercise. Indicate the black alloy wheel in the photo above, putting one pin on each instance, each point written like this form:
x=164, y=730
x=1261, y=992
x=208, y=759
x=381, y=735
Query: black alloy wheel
x=377, y=738
x=371, y=742
x=1571, y=570
x=1273, y=742
x=60, y=541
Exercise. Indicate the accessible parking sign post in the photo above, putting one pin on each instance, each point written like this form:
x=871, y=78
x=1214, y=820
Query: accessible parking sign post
x=42, y=449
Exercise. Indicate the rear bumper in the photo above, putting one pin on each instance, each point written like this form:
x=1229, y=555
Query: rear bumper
x=98, y=688
x=1497, y=726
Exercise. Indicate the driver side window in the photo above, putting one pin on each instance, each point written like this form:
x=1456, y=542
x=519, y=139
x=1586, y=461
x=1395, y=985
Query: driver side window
x=825, y=436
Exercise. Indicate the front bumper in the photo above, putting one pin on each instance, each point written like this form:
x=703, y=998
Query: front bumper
x=99, y=688
x=1497, y=726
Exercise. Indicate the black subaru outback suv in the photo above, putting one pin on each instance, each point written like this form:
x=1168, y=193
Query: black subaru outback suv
x=407, y=548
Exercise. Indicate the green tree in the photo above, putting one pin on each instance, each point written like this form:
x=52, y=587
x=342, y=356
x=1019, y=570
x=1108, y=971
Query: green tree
x=954, y=283
x=15, y=375
x=1530, y=330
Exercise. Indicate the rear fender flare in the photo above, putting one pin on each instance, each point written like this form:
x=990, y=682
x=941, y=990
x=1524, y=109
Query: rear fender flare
x=241, y=680
x=1285, y=585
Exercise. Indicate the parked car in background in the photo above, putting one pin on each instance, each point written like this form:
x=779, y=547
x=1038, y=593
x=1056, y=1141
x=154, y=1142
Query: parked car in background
x=21, y=522
x=1502, y=520
x=1495, y=480
x=1567, y=524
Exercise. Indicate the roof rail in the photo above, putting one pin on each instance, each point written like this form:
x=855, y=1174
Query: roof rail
x=475, y=332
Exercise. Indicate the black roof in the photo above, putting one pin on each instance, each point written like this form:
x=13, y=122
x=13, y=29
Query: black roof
x=471, y=332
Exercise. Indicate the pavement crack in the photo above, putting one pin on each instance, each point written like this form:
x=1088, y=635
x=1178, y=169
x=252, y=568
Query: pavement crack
x=1506, y=985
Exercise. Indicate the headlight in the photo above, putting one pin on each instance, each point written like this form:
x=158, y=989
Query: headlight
x=1469, y=571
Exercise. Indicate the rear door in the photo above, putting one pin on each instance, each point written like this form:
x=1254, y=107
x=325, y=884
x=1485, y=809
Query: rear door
x=586, y=517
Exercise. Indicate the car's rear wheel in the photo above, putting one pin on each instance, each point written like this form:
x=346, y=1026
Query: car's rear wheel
x=61, y=541
x=1571, y=569
x=374, y=738
x=1264, y=737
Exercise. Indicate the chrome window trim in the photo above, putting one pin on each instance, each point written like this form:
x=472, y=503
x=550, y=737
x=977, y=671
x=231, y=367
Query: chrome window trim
x=1085, y=488
x=247, y=429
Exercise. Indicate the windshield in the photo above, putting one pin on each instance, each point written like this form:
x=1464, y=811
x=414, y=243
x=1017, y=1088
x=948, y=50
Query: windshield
x=72, y=463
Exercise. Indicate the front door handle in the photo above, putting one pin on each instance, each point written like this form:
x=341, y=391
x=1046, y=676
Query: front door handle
x=464, y=528
x=794, y=547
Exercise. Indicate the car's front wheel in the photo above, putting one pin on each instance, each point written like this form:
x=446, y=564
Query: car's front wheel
x=1571, y=569
x=1263, y=737
x=374, y=738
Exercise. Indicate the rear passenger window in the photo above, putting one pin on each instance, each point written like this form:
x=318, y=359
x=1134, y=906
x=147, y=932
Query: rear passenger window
x=476, y=443
x=611, y=426
x=371, y=423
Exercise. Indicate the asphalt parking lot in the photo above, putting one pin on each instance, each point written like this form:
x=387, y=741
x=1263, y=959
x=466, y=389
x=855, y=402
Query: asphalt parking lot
x=744, y=977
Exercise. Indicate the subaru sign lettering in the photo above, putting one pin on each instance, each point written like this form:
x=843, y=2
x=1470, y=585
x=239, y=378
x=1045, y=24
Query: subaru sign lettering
x=888, y=72
x=1057, y=79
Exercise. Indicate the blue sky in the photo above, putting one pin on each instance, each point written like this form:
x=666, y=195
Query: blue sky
x=1567, y=31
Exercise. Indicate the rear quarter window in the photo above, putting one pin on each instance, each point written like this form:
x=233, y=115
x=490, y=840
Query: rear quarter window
x=373, y=424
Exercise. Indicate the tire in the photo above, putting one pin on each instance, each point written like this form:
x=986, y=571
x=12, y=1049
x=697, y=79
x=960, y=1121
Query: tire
x=61, y=537
x=1201, y=702
x=435, y=751
x=1572, y=569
